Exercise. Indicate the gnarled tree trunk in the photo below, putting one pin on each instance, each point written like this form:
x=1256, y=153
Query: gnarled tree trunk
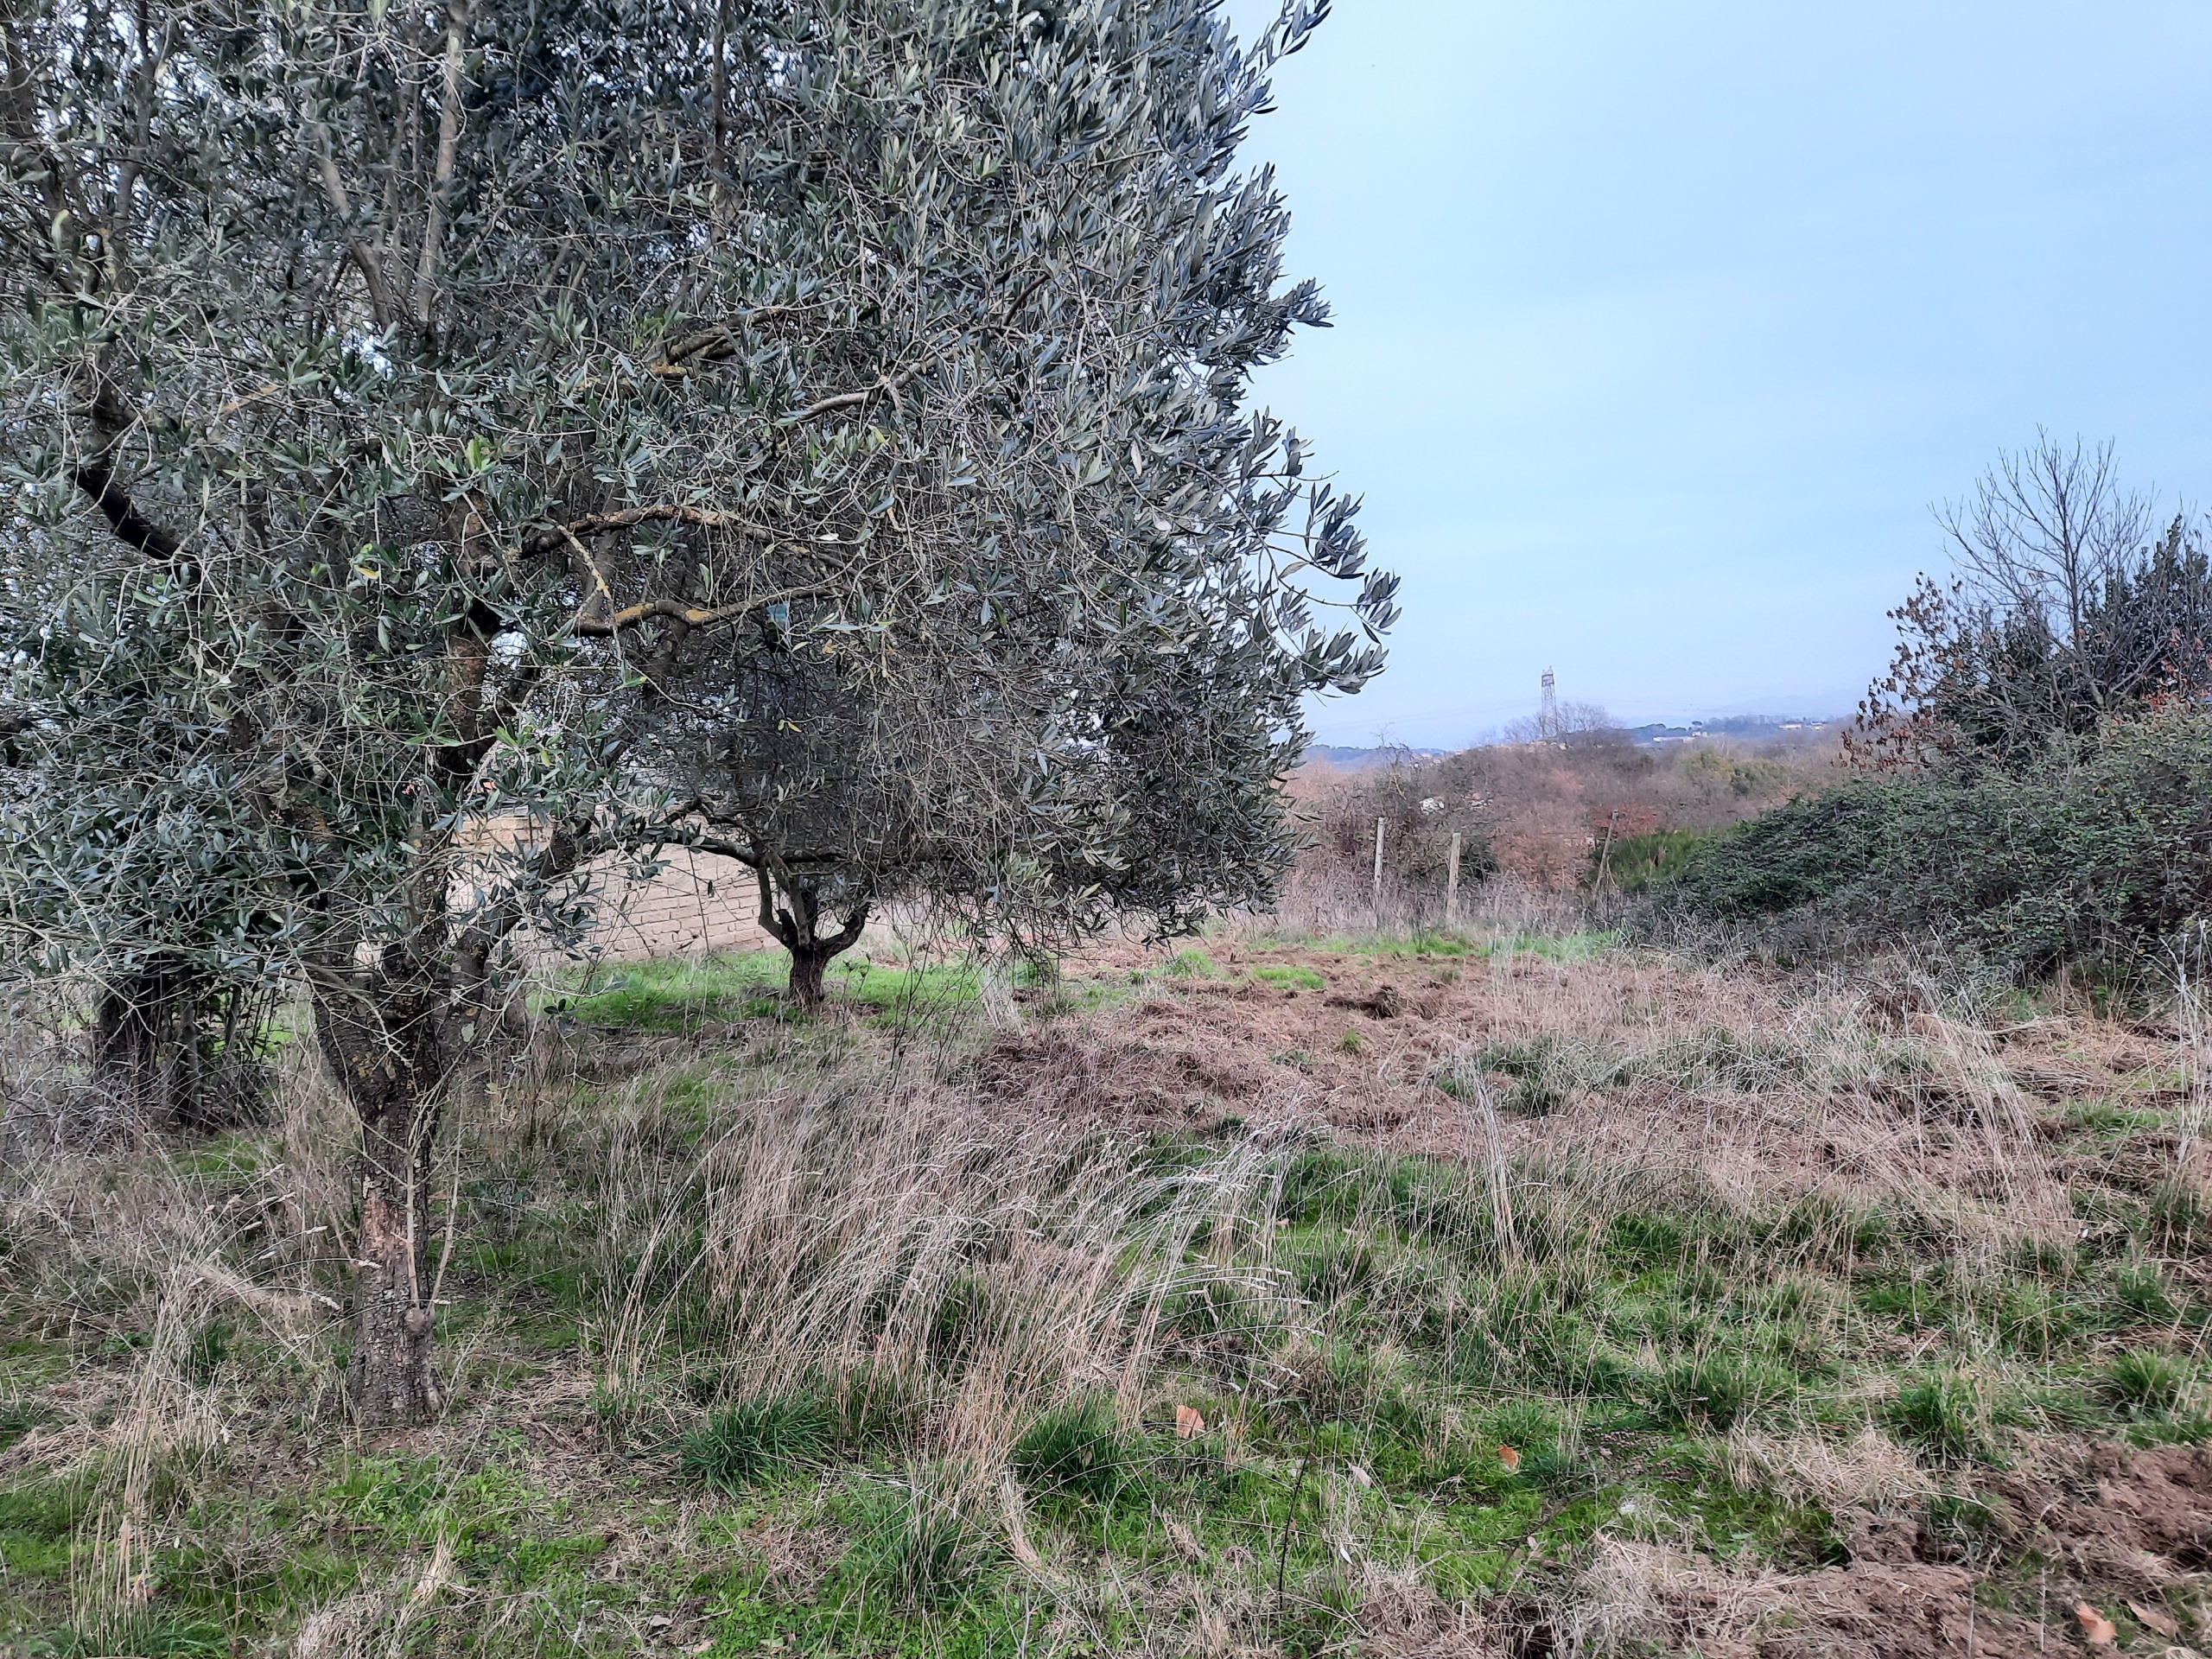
x=797, y=924
x=386, y=1043
x=146, y=1045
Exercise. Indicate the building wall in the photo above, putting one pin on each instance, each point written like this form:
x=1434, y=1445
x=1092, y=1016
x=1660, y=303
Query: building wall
x=696, y=903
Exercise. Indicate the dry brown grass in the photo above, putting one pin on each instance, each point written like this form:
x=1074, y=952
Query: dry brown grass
x=987, y=1231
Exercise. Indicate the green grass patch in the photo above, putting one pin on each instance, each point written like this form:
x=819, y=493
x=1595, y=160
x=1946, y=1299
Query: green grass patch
x=1289, y=976
x=674, y=993
x=685, y=993
x=1080, y=1455
x=1585, y=944
x=36, y=1523
x=754, y=1440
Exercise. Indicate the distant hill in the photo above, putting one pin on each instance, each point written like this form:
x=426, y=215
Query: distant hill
x=1650, y=735
x=1348, y=760
x=1750, y=726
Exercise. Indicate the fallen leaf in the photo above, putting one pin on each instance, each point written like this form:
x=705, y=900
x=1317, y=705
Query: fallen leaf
x=2151, y=1619
x=2096, y=1629
x=1360, y=1478
x=1188, y=1423
x=1509, y=1458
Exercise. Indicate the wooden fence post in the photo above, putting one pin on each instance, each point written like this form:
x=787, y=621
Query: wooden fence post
x=1451, y=884
x=1378, y=874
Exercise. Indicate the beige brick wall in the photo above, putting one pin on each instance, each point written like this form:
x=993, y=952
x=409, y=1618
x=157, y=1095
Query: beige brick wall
x=695, y=903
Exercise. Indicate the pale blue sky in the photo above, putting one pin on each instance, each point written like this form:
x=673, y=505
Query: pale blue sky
x=1660, y=327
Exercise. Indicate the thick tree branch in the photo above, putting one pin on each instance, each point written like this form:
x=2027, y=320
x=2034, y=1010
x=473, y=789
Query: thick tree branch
x=714, y=344
x=364, y=257
x=95, y=476
x=694, y=616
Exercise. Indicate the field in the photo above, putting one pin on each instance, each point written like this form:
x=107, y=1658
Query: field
x=1514, y=1291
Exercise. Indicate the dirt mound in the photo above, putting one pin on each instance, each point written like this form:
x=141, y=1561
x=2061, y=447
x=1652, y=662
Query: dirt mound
x=2140, y=1522
x=1885, y=1610
x=2159, y=1502
x=1755, y=1085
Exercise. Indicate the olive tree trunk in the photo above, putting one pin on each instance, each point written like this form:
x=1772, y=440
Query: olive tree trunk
x=144, y=1046
x=387, y=1045
x=797, y=923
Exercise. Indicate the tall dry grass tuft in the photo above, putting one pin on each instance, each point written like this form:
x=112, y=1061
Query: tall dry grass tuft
x=869, y=1233
x=1324, y=899
x=132, y=1251
x=378, y=1621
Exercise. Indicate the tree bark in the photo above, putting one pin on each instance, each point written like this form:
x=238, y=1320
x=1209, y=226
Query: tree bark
x=124, y=1047
x=390, y=1376
x=808, y=964
x=797, y=924
x=145, y=1047
x=386, y=1045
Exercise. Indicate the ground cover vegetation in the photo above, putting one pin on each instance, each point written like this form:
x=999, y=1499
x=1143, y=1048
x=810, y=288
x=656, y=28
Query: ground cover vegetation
x=454, y=444
x=450, y=447
x=1517, y=1291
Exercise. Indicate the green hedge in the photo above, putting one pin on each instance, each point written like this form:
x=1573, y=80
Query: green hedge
x=2097, y=859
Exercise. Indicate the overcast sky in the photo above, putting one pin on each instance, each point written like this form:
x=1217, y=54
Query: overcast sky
x=1660, y=327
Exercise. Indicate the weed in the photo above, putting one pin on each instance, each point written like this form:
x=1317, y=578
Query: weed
x=1713, y=1391
x=1078, y=1452
x=2035, y=1320
x=2176, y=1218
x=1974, y=1524
x=749, y=1442
x=1289, y=976
x=1332, y=1267
x=2146, y=1383
x=1947, y=1414
x=1548, y=1071
x=17, y=1418
x=152, y=1634
x=916, y=1542
x=2141, y=1286
x=1192, y=963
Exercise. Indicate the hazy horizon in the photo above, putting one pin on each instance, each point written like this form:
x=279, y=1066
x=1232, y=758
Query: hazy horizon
x=1657, y=334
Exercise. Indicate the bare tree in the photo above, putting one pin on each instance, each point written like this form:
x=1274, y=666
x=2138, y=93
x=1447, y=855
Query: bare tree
x=2071, y=604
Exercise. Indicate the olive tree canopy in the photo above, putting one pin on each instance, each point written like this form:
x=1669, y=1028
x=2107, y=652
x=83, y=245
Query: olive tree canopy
x=458, y=439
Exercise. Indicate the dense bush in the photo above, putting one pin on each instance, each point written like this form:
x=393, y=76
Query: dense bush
x=1635, y=862
x=2089, y=859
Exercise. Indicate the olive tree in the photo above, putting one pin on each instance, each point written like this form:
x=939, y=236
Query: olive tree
x=1085, y=706
x=443, y=412
x=120, y=883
